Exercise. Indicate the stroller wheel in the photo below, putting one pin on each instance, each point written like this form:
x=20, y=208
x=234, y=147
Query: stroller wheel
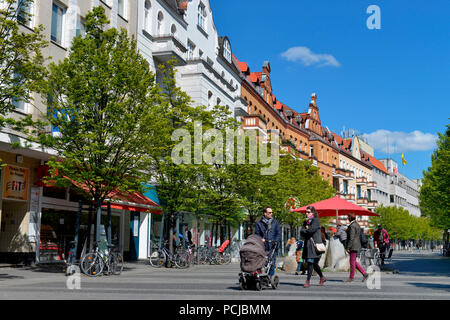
x=274, y=282
x=258, y=285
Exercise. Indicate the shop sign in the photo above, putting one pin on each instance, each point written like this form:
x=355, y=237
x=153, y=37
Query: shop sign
x=15, y=186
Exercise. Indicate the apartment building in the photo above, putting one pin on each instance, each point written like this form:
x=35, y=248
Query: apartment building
x=37, y=221
x=403, y=192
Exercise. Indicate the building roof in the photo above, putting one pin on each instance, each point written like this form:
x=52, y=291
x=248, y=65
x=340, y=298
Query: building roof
x=374, y=161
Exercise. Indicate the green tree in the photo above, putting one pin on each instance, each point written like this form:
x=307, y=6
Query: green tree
x=21, y=61
x=178, y=183
x=403, y=226
x=434, y=196
x=100, y=100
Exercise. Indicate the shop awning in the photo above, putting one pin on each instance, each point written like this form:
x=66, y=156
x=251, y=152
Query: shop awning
x=134, y=201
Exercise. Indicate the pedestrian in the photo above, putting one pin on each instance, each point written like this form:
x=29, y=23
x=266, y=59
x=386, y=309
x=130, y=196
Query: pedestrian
x=310, y=231
x=269, y=230
x=364, y=240
x=291, y=246
x=381, y=239
x=341, y=233
x=324, y=235
x=187, y=236
x=352, y=247
x=301, y=266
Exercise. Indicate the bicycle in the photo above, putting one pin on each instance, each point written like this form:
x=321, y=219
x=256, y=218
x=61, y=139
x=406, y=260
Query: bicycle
x=93, y=264
x=162, y=256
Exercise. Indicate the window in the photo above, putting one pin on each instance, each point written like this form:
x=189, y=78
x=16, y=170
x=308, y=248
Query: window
x=173, y=30
x=122, y=8
x=160, y=23
x=190, y=52
x=147, y=16
x=58, y=14
x=210, y=98
x=25, y=13
x=19, y=104
x=202, y=16
x=81, y=27
x=227, y=51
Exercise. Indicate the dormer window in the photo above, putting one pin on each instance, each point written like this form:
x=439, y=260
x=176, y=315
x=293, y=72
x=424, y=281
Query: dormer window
x=227, y=51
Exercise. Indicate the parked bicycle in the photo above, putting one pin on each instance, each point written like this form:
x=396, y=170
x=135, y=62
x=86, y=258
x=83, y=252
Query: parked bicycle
x=93, y=264
x=160, y=256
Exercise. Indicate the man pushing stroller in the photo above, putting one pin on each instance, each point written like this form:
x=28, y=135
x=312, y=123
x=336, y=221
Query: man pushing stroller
x=269, y=230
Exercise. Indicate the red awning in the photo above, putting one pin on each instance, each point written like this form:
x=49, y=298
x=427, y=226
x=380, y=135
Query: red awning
x=135, y=201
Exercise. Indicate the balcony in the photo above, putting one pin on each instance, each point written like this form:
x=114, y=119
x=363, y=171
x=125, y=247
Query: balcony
x=361, y=201
x=338, y=173
x=254, y=122
x=167, y=47
x=371, y=185
x=349, y=197
x=372, y=203
x=349, y=175
x=361, y=181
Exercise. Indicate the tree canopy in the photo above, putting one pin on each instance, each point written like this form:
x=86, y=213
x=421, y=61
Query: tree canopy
x=435, y=192
x=99, y=104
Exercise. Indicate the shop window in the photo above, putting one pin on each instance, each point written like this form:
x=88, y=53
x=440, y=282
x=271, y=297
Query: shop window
x=54, y=192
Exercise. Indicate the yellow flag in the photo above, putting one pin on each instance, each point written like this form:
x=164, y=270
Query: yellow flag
x=403, y=159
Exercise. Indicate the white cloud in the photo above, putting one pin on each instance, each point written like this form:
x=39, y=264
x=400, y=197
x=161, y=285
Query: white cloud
x=399, y=142
x=308, y=58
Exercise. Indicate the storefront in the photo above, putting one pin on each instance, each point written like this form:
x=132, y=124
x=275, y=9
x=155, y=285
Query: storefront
x=58, y=223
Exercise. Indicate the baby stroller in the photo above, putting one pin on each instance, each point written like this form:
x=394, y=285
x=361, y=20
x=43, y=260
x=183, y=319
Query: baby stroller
x=256, y=264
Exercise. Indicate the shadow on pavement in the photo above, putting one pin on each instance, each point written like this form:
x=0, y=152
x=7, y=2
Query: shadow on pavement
x=438, y=286
x=7, y=276
x=422, y=266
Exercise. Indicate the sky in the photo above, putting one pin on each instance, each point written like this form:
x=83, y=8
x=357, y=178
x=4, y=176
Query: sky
x=389, y=82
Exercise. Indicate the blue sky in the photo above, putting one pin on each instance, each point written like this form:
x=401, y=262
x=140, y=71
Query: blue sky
x=392, y=83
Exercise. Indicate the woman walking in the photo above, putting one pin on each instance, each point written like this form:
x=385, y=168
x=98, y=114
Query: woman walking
x=312, y=234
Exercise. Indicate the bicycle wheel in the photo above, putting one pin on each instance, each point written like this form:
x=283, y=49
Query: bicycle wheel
x=181, y=260
x=92, y=264
x=227, y=258
x=116, y=263
x=157, y=258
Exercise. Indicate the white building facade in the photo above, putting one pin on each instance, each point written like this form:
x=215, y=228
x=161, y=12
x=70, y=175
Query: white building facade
x=403, y=192
x=185, y=31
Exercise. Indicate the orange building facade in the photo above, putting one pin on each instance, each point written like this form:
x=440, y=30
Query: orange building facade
x=302, y=134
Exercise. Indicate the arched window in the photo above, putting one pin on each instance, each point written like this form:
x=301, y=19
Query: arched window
x=160, y=23
x=227, y=50
x=210, y=98
x=173, y=30
x=147, y=15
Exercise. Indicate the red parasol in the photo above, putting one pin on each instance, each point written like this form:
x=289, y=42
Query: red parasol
x=337, y=207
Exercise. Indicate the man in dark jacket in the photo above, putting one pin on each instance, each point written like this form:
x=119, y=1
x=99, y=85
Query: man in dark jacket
x=269, y=230
x=352, y=246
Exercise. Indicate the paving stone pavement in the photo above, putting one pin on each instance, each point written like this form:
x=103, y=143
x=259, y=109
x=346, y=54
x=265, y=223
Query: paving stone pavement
x=421, y=276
